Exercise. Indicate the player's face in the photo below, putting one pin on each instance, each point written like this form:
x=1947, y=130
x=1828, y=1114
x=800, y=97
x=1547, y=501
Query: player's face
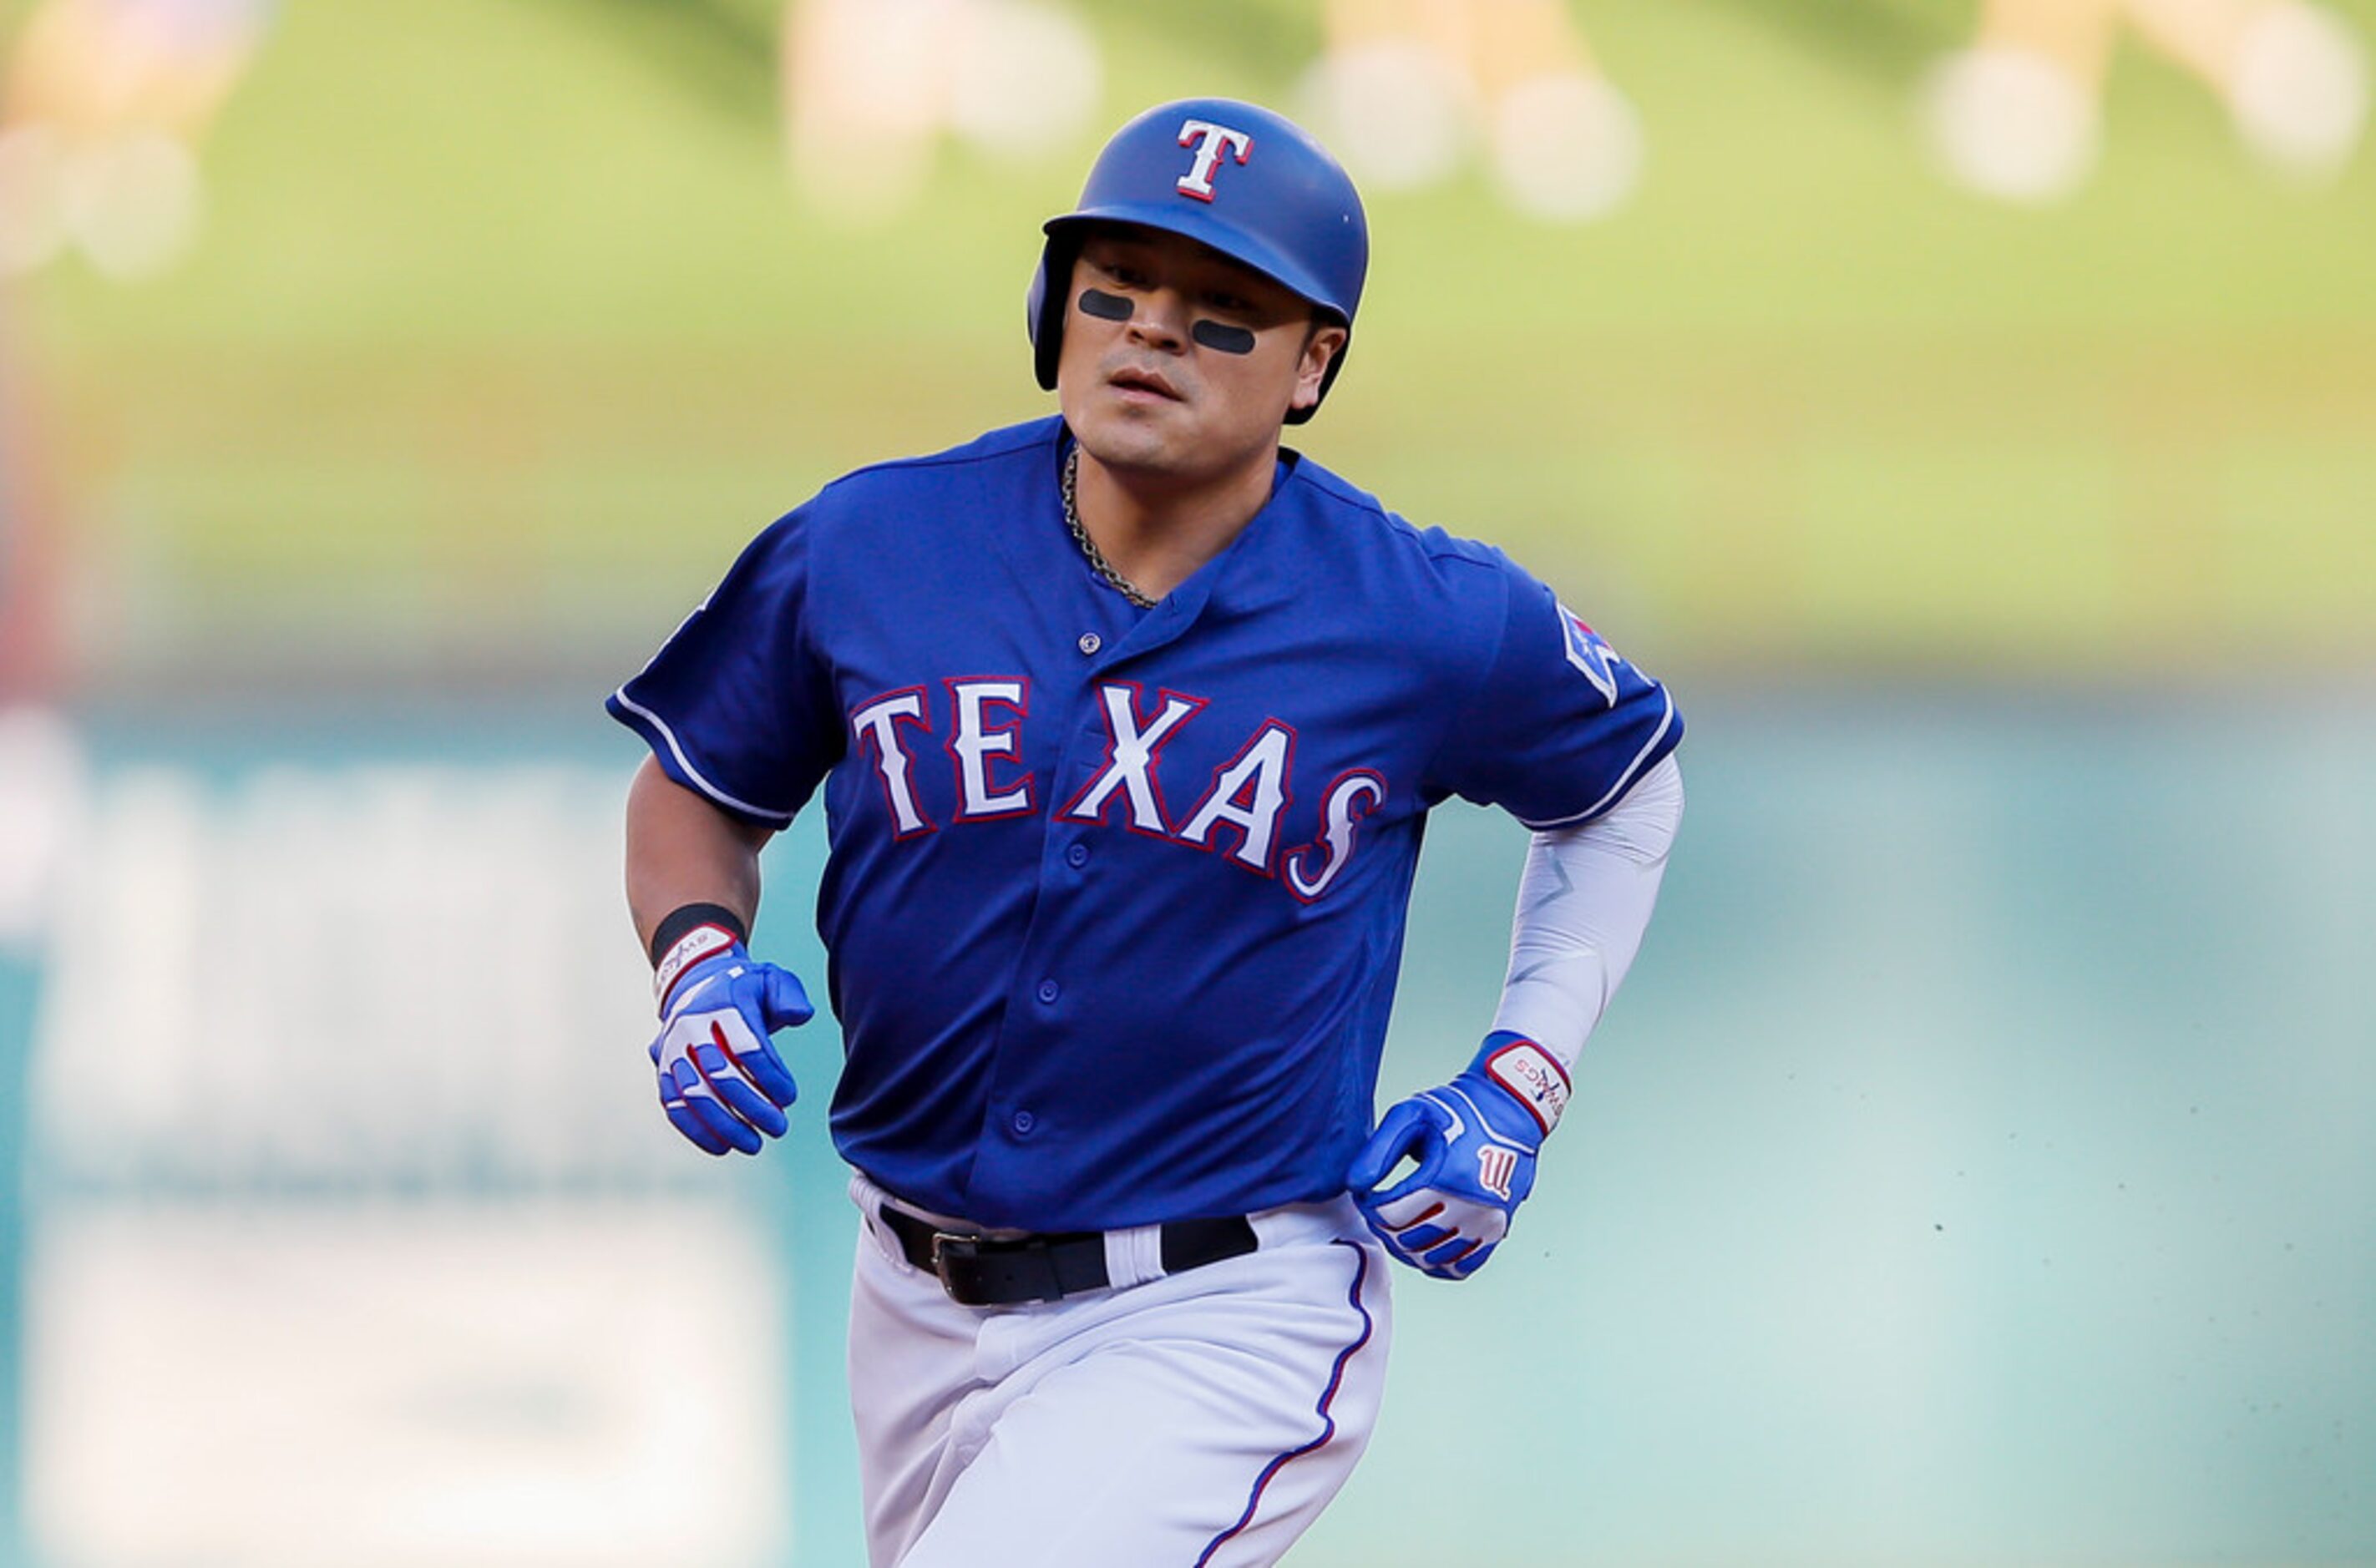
x=1178, y=361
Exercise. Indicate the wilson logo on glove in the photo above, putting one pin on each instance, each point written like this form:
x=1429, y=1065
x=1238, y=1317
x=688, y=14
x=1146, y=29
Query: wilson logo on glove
x=1494, y=1168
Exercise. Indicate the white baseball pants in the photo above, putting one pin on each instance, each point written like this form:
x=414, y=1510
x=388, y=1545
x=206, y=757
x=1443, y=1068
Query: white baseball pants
x=1194, y=1421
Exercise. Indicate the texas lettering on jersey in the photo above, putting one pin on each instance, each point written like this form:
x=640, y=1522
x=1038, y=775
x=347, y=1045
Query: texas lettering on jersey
x=1238, y=813
x=1046, y=812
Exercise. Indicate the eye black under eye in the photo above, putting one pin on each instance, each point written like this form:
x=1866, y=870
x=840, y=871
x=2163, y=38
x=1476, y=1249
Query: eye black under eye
x=1226, y=336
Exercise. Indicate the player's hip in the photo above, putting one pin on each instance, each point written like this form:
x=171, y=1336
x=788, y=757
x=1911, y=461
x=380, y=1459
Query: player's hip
x=987, y=1267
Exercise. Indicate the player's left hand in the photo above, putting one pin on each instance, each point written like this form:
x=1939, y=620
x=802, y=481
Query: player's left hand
x=1475, y=1141
x=722, y=1083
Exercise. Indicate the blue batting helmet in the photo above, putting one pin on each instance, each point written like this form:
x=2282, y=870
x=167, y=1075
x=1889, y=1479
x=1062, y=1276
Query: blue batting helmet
x=1249, y=183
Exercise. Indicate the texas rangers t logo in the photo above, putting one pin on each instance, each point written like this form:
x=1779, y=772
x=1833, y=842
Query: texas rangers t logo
x=1209, y=140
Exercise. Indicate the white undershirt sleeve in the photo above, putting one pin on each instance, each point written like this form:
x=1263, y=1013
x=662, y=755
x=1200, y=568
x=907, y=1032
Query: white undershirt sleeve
x=1583, y=903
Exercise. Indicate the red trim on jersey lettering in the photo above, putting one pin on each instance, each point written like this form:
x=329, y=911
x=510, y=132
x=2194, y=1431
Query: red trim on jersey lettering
x=1165, y=696
x=1285, y=798
x=1022, y=710
x=1355, y=815
x=922, y=719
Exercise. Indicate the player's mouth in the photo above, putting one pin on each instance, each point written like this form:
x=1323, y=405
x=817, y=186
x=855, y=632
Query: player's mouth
x=1137, y=384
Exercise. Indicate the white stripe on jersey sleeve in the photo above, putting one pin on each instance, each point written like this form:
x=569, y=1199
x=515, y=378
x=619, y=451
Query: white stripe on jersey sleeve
x=712, y=790
x=1665, y=718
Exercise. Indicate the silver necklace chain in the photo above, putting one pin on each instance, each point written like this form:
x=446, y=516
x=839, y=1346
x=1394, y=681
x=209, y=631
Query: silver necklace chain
x=1114, y=579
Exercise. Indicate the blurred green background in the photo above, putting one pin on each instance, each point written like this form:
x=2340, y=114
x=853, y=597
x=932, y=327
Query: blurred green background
x=503, y=327
x=1978, y=1167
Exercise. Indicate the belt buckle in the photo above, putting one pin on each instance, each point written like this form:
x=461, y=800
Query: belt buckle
x=995, y=1271
x=941, y=1240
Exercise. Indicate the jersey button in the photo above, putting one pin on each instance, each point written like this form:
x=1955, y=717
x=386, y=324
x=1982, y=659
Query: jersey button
x=1023, y=1123
x=1090, y=642
x=1077, y=856
x=1050, y=991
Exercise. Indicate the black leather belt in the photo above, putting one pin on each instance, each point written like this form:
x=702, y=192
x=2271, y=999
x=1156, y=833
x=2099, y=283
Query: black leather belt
x=987, y=1271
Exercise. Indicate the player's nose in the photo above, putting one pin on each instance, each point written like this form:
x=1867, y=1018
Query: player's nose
x=1159, y=318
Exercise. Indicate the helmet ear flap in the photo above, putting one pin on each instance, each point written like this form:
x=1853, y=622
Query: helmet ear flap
x=1044, y=307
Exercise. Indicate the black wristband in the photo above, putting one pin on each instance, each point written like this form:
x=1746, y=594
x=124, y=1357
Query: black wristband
x=676, y=922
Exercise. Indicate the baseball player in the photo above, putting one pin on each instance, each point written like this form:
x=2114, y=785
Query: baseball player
x=1128, y=722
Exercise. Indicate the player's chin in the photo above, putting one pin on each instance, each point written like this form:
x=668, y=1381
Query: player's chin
x=1148, y=439
x=1131, y=412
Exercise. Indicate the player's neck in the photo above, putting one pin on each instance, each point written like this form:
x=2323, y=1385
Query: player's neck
x=1157, y=530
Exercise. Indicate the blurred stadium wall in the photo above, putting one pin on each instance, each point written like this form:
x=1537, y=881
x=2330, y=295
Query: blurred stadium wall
x=1970, y=408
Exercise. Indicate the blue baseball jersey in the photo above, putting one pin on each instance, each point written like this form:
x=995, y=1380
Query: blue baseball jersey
x=1114, y=898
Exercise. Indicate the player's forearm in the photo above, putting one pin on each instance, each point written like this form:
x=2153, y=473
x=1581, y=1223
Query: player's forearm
x=1584, y=904
x=681, y=850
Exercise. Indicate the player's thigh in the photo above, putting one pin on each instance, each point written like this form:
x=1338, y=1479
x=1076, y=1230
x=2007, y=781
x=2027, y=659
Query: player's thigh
x=1208, y=1427
x=912, y=1364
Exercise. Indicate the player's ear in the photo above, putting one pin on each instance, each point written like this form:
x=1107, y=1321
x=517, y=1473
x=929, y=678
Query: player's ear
x=1321, y=346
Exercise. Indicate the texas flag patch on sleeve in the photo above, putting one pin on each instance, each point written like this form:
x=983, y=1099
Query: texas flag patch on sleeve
x=1594, y=658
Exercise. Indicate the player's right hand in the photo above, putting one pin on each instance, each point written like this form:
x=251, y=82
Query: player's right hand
x=722, y=1083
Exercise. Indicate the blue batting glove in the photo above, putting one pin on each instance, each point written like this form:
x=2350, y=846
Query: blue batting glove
x=1475, y=1141
x=722, y=1083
